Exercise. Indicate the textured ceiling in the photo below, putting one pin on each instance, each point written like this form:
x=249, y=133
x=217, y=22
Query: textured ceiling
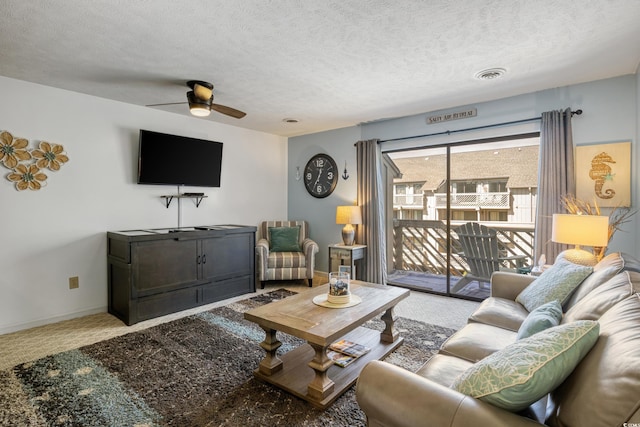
x=329, y=64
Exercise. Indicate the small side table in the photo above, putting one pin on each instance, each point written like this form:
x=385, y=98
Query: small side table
x=346, y=255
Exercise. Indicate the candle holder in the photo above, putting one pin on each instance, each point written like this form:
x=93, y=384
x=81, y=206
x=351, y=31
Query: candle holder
x=339, y=291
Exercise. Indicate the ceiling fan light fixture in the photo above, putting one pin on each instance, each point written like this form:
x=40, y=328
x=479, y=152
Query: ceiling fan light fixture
x=199, y=111
x=198, y=107
x=203, y=90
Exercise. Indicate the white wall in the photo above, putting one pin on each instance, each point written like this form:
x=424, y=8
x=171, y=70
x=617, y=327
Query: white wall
x=50, y=235
x=610, y=113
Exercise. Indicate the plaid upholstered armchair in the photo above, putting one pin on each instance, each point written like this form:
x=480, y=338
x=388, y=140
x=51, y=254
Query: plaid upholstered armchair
x=285, y=251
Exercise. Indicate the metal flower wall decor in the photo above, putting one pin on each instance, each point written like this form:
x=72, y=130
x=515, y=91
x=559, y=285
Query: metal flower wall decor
x=27, y=166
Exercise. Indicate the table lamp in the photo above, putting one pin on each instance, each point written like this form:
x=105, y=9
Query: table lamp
x=348, y=215
x=587, y=230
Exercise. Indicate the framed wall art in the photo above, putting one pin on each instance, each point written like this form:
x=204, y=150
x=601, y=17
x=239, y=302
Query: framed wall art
x=603, y=174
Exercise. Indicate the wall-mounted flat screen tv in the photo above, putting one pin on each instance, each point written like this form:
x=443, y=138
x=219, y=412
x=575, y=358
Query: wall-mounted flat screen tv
x=178, y=160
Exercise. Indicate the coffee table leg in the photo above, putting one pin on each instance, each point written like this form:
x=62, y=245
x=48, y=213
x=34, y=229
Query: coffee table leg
x=389, y=334
x=271, y=362
x=321, y=386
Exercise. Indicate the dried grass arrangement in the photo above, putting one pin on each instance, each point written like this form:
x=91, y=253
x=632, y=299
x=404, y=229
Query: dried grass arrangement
x=618, y=216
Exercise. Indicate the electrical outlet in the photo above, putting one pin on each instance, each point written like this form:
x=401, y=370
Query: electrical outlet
x=74, y=282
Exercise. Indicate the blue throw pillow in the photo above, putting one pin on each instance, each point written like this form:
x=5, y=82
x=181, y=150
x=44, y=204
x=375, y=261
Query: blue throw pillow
x=555, y=283
x=543, y=317
x=523, y=372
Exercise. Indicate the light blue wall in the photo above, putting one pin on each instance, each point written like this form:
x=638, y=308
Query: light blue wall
x=321, y=213
x=610, y=113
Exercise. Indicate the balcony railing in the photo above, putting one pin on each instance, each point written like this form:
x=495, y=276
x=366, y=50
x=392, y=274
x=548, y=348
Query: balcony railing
x=481, y=200
x=458, y=200
x=408, y=200
x=421, y=245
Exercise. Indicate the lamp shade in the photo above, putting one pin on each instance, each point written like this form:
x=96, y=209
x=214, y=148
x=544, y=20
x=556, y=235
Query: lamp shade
x=348, y=215
x=580, y=230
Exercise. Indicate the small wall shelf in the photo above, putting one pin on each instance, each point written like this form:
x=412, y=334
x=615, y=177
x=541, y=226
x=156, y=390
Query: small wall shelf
x=169, y=198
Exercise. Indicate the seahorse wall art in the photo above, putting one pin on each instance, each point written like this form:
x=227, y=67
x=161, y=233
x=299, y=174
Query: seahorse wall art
x=600, y=172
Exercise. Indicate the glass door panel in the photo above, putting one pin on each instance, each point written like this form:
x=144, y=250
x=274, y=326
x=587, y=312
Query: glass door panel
x=461, y=212
x=420, y=251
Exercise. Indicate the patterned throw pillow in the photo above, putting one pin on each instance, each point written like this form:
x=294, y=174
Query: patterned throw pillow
x=543, y=317
x=525, y=371
x=284, y=239
x=555, y=283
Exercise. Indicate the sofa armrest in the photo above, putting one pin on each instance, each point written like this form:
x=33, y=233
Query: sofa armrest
x=392, y=396
x=508, y=285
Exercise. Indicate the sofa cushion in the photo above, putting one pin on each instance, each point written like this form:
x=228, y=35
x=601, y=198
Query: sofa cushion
x=476, y=341
x=604, y=270
x=501, y=312
x=543, y=317
x=630, y=263
x=555, y=283
x=284, y=239
x=525, y=371
x=603, y=389
x=601, y=299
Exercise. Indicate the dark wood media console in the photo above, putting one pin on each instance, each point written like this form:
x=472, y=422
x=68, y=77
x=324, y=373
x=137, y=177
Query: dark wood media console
x=160, y=271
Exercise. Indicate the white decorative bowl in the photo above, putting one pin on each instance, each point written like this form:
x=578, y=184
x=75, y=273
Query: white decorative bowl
x=339, y=299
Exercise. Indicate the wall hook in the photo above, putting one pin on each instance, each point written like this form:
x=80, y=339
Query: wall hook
x=345, y=174
x=298, y=173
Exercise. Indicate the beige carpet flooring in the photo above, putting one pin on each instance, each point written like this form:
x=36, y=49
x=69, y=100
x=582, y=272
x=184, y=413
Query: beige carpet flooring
x=32, y=344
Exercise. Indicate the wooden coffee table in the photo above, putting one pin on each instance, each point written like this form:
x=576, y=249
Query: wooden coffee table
x=307, y=371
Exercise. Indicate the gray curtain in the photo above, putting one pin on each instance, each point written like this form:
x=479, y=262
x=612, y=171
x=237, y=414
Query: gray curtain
x=556, y=178
x=370, y=197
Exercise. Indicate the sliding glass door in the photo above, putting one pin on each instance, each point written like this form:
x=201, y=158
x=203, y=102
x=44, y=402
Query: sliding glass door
x=461, y=212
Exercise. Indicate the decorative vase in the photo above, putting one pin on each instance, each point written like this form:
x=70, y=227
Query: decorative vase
x=339, y=292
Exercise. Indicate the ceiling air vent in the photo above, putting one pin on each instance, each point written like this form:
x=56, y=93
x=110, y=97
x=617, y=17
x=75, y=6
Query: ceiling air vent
x=490, y=74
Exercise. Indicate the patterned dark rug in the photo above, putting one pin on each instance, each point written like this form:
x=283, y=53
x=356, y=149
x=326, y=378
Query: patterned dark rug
x=195, y=371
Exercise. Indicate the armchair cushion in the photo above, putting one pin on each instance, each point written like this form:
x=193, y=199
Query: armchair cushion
x=556, y=283
x=286, y=260
x=284, y=239
x=525, y=371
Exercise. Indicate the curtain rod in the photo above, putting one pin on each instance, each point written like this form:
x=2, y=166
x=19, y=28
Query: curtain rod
x=449, y=132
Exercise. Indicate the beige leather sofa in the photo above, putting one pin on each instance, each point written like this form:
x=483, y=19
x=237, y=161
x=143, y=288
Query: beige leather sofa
x=603, y=390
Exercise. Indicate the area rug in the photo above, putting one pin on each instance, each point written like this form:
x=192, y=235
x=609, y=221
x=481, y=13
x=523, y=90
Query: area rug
x=195, y=371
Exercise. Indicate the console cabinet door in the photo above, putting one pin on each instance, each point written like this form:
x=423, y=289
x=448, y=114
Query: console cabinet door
x=163, y=265
x=227, y=257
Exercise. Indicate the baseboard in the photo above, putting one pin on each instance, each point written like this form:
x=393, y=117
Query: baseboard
x=41, y=322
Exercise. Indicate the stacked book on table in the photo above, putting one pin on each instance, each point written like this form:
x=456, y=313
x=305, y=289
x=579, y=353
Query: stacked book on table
x=344, y=352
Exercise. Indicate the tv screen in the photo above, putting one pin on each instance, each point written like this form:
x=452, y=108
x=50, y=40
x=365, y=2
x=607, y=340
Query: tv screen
x=178, y=160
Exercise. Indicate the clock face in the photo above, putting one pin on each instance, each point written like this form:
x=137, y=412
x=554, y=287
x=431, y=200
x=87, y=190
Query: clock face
x=320, y=175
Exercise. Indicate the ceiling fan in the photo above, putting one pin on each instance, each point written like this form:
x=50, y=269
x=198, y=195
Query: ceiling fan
x=200, y=100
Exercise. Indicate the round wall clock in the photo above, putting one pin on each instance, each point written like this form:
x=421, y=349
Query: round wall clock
x=320, y=175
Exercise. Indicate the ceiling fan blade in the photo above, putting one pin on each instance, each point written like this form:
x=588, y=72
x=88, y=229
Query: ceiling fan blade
x=166, y=103
x=237, y=114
